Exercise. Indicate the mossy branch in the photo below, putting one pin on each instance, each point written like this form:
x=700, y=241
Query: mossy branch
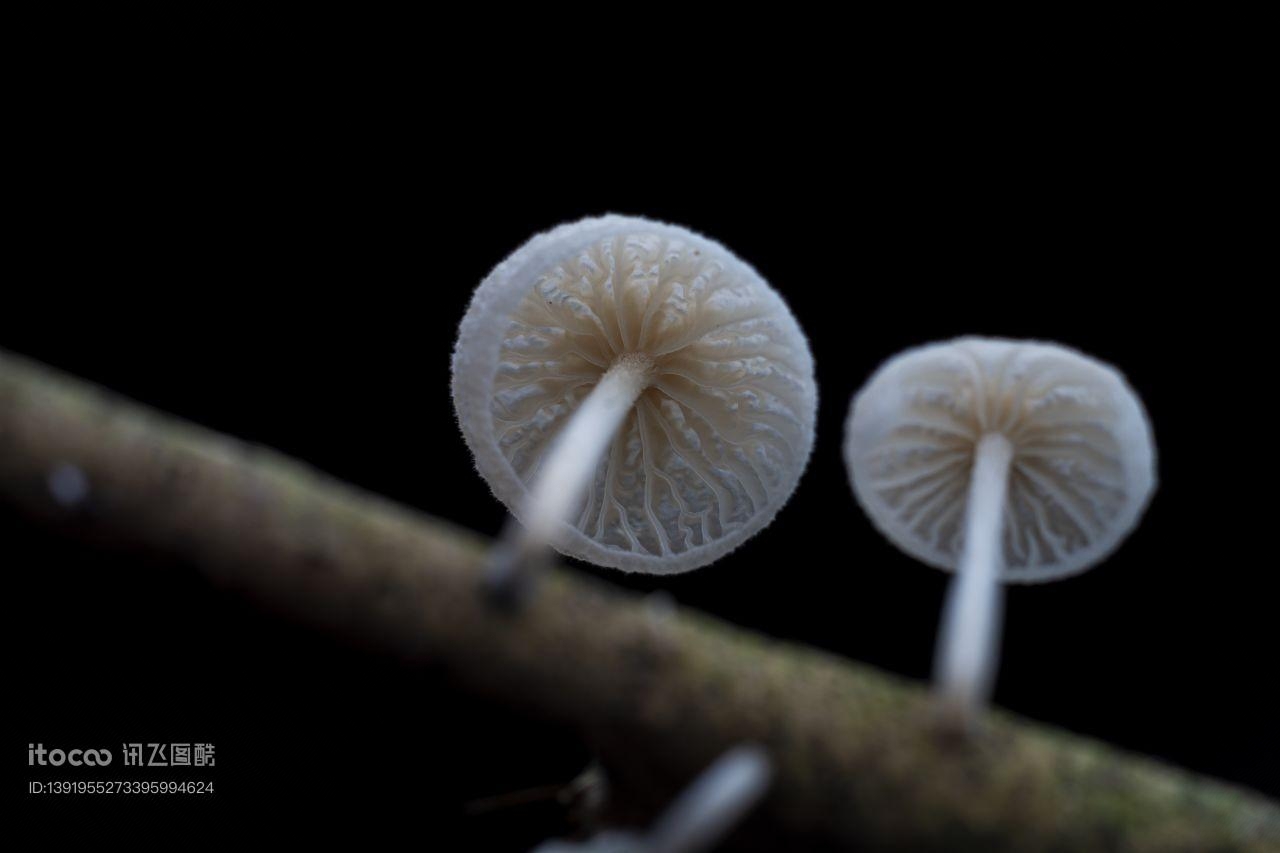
x=860, y=760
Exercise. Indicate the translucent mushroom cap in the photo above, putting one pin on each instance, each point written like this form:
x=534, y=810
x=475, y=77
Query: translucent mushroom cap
x=714, y=445
x=1083, y=466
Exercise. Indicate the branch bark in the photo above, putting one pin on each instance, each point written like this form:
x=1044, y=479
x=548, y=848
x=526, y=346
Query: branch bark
x=859, y=757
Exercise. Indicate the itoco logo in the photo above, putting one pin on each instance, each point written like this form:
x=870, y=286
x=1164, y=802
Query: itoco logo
x=37, y=754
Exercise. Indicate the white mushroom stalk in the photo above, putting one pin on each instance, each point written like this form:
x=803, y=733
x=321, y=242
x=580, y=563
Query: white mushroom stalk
x=967, y=652
x=714, y=803
x=1005, y=461
x=571, y=462
x=635, y=394
x=701, y=816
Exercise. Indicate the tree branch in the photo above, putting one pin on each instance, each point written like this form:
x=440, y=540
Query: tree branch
x=859, y=758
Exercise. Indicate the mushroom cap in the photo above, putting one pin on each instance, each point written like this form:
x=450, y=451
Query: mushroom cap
x=713, y=447
x=1083, y=467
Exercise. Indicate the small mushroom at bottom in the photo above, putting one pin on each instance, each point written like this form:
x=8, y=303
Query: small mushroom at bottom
x=1002, y=460
x=700, y=817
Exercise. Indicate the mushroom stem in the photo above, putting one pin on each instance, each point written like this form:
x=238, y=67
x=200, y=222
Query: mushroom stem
x=965, y=660
x=713, y=803
x=569, y=467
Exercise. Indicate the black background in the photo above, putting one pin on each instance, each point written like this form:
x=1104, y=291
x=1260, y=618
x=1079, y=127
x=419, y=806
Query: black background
x=288, y=263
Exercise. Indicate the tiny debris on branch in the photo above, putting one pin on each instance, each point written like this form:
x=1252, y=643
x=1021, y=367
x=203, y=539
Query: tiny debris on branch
x=857, y=758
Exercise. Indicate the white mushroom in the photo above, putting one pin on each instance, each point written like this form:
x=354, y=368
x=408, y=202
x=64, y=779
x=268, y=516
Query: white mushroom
x=635, y=394
x=1007, y=460
x=714, y=803
x=701, y=816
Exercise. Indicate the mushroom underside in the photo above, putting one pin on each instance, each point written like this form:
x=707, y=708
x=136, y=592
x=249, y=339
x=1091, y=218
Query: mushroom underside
x=1079, y=475
x=714, y=442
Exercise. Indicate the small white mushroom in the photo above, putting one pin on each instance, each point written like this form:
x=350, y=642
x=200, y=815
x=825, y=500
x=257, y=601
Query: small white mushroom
x=635, y=394
x=714, y=803
x=1005, y=460
x=699, y=818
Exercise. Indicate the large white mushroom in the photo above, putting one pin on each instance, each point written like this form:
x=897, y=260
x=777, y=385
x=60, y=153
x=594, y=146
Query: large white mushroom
x=1005, y=460
x=635, y=394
